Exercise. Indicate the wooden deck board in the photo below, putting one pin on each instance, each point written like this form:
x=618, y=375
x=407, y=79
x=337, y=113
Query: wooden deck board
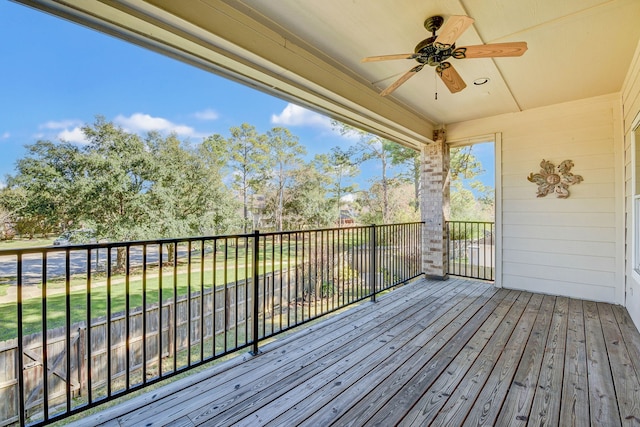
x=519, y=399
x=488, y=404
x=545, y=409
x=603, y=406
x=430, y=353
x=624, y=380
x=371, y=394
x=574, y=410
x=434, y=392
x=357, y=359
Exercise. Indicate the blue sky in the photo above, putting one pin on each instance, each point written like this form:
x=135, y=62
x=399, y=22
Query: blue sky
x=56, y=76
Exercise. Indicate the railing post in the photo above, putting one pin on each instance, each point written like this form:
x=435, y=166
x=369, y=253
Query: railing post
x=373, y=262
x=256, y=287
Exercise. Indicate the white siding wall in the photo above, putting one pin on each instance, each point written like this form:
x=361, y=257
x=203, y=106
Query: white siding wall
x=631, y=108
x=573, y=246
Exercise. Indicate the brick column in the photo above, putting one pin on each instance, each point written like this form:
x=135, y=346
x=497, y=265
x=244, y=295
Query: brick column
x=434, y=205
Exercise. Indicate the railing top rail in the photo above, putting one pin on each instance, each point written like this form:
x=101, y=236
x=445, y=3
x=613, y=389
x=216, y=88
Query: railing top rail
x=469, y=222
x=178, y=240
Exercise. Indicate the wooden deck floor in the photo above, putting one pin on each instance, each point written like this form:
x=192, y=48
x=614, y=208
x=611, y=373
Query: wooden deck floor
x=431, y=353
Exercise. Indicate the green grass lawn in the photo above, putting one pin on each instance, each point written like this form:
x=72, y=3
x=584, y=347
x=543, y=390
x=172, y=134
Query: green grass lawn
x=56, y=302
x=25, y=243
x=204, y=273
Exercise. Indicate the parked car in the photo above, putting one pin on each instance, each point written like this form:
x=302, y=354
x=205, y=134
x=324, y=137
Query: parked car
x=73, y=237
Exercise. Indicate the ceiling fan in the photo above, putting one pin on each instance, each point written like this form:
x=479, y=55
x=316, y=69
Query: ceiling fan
x=435, y=50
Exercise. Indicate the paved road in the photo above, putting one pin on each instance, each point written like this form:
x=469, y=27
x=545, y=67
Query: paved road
x=32, y=263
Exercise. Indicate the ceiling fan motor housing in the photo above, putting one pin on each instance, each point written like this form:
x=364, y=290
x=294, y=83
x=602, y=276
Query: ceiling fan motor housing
x=428, y=53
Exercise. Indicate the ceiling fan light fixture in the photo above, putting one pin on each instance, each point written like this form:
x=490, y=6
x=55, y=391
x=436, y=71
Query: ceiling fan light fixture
x=481, y=81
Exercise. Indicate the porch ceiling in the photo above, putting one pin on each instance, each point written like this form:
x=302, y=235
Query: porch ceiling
x=309, y=51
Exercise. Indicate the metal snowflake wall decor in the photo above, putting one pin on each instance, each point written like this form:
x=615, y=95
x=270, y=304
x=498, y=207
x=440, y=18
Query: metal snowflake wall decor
x=553, y=179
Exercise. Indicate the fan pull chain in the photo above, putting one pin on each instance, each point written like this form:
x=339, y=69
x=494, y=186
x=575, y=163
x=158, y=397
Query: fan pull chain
x=435, y=80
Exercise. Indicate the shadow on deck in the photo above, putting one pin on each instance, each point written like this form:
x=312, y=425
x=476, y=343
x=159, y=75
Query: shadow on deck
x=429, y=353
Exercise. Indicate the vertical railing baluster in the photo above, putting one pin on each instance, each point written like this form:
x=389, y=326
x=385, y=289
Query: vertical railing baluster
x=297, y=279
x=175, y=306
x=214, y=297
x=144, y=313
x=20, y=357
x=289, y=280
x=108, y=323
x=87, y=323
x=225, y=297
x=127, y=305
x=256, y=286
x=188, y=301
x=202, y=299
x=160, y=316
x=237, y=301
x=273, y=284
x=372, y=263
x=45, y=342
x=281, y=274
x=67, y=287
x=246, y=290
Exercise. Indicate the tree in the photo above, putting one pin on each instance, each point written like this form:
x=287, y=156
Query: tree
x=370, y=147
x=118, y=173
x=247, y=158
x=464, y=164
x=470, y=199
x=306, y=203
x=409, y=157
x=339, y=167
x=222, y=208
x=45, y=188
x=400, y=201
x=285, y=156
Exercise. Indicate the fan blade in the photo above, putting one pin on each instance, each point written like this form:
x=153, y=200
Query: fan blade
x=491, y=50
x=452, y=29
x=406, y=76
x=389, y=57
x=450, y=77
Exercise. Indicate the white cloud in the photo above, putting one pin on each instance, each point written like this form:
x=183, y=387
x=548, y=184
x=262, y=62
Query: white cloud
x=62, y=124
x=348, y=198
x=207, y=114
x=5, y=135
x=74, y=135
x=294, y=115
x=139, y=122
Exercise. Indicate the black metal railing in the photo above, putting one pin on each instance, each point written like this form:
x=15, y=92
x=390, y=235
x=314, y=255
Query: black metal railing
x=84, y=324
x=471, y=249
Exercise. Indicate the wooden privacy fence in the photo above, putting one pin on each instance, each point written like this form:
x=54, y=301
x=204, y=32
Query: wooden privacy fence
x=229, y=323
x=159, y=345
